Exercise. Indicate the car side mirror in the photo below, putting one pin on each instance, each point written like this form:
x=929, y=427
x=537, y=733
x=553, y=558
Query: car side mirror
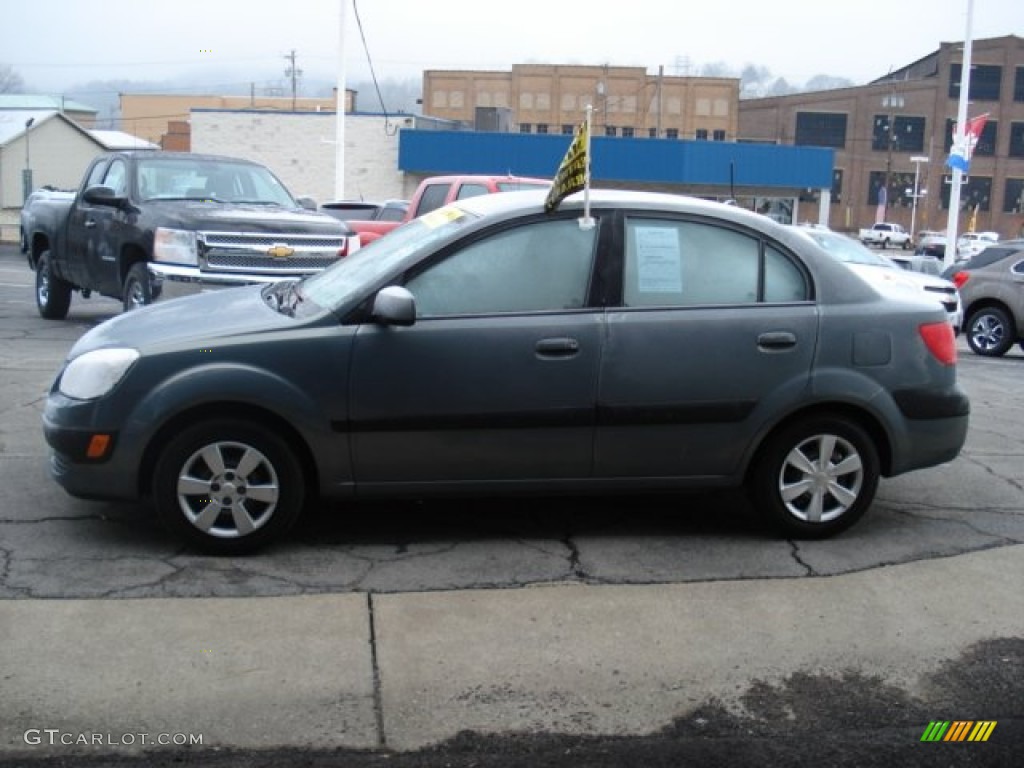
x=306, y=202
x=394, y=305
x=100, y=195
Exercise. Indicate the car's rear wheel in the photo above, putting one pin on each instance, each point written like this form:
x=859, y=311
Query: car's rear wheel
x=53, y=295
x=228, y=486
x=990, y=332
x=816, y=477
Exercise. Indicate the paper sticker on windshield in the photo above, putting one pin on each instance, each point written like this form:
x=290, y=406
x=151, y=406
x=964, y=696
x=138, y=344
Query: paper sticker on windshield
x=441, y=216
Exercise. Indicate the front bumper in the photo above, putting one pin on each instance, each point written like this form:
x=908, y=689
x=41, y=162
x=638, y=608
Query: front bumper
x=70, y=429
x=171, y=280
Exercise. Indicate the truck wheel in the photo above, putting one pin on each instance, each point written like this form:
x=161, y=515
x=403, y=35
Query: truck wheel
x=228, y=486
x=816, y=477
x=53, y=295
x=138, y=291
x=906, y=245
x=885, y=243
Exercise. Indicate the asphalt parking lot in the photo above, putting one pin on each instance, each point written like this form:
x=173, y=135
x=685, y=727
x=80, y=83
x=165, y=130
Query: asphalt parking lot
x=542, y=631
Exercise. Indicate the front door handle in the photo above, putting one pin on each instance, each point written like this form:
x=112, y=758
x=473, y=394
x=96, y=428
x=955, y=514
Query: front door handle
x=557, y=347
x=90, y=223
x=776, y=340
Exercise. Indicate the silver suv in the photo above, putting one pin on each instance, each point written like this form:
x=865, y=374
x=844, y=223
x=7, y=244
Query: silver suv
x=991, y=287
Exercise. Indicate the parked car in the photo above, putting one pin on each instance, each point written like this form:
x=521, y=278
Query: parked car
x=876, y=267
x=991, y=285
x=931, y=243
x=885, y=234
x=491, y=348
x=970, y=243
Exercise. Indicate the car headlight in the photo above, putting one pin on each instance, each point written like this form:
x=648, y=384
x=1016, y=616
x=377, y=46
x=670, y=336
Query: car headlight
x=95, y=373
x=176, y=246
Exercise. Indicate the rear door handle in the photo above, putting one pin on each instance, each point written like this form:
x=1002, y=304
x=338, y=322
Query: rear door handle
x=90, y=223
x=557, y=347
x=776, y=340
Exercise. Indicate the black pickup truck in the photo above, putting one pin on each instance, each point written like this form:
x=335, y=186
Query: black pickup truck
x=144, y=221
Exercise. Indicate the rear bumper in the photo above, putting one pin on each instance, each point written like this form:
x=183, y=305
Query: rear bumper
x=935, y=428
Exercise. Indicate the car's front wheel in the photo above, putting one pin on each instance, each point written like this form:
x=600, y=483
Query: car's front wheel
x=816, y=477
x=138, y=289
x=53, y=295
x=990, y=332
x=228, y=486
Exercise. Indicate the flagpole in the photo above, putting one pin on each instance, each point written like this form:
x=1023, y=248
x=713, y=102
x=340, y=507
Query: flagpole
x=959, y=140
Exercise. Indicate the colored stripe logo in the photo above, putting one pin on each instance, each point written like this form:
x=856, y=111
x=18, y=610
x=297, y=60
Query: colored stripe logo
x=958, y=730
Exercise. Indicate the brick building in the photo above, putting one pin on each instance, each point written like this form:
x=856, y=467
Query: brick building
x=627, y=102
x=876, y=130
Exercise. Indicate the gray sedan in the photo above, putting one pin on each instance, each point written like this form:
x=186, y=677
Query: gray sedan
x=490, y=347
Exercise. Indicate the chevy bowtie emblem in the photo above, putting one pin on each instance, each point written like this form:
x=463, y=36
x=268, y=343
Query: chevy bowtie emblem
x=280, y=251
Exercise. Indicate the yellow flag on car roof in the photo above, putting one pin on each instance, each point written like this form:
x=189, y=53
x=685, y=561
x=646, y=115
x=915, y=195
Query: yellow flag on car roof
x=573, y=172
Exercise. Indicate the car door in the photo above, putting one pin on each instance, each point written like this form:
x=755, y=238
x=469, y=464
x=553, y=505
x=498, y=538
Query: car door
x=716, y=333
x=497, y=379
x=99, y=230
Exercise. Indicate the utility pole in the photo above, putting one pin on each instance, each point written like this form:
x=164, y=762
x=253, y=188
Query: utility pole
x=959, y=139
x=294, y=73
x=340, y=99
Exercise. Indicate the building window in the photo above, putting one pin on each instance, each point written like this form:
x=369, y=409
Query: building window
x=543, y=102
x=718, y=134
x=1018, y=85
x=627, y=132
x=986, y=145
x=440, y=100
x=568, y=129
x=901, y=188
x=702, y=134
x=609, y=130
x=721, y=108
x=907, y=134
x=1013, y=196
x=976, y=192
x=652, y=133
x=985, y=82
x=568, y=102
x=820, y=129
x=542, y=127
x=526, y=101
x=1016, y=139
x=672, y=133
x=704, y=107
x=524, y=127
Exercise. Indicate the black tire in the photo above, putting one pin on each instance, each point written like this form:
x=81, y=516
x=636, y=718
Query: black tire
x=53, y=295
x=907, y=245
x=885, y=244
x=990, y=332
x=223, y=461
x=815, y=477
x=138, y=289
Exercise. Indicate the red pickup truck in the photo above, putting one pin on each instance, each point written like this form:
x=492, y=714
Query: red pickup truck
x=436, y=191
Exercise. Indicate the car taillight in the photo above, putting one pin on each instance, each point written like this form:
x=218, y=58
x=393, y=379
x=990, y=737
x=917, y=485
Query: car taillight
x=343, y=251
x=960, y=278
x=941, y=342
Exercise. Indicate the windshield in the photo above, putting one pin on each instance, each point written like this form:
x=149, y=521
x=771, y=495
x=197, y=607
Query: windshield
x=209, y=179
x=341, y=283
x=848, y=250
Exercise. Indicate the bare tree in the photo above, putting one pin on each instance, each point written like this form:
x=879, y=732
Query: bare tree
x=10, y=81
x=827, y=83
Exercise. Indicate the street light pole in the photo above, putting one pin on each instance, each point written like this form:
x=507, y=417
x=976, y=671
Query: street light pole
x=917, y=160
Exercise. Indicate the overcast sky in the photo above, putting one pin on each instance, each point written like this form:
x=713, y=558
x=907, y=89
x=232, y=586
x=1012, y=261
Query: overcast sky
x=54, y=44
